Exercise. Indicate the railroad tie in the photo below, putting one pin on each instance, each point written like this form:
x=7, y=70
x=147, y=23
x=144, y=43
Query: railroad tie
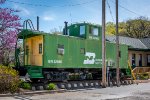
x=39, y=88
x=68, y=86
x=33, y=88
x=80, y=85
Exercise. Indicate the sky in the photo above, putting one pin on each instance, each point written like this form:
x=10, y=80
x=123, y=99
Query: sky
x=53, y=13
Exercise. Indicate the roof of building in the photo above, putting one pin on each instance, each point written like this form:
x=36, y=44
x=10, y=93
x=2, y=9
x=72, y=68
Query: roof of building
x=146, y=42
x=133, y=43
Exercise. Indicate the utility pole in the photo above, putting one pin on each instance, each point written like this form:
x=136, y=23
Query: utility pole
x=117, y=47
x=103, y=45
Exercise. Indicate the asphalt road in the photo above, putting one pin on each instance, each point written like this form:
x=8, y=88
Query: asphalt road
x=130, y=92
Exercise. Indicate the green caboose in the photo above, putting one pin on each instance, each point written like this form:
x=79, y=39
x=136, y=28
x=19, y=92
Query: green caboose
x=57, y=57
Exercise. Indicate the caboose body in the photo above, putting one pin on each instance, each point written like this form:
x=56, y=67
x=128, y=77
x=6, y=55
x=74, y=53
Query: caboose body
x=57, y=57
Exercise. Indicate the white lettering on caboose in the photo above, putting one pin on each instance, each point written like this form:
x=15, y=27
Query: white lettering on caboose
x=54, y=61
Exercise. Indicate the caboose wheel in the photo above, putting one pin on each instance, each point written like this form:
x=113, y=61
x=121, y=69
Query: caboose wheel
x=35, y=80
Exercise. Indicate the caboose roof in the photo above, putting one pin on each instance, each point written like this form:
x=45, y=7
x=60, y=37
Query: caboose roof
x=85, y=23
x=26, y=33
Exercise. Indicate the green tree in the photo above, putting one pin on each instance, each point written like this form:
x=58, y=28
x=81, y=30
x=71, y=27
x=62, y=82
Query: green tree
x=138, y=28
x=122, y=28
x=111, y=30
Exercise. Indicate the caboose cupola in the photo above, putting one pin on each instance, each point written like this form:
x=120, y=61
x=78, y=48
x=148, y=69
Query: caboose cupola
x=85, y=30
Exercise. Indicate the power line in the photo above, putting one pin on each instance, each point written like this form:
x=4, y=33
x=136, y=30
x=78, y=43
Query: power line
x=127, y=9
x=130, y=10
x=70, y=5
x=110, y=11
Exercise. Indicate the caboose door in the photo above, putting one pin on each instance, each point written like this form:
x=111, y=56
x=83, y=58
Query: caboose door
x=36, y=50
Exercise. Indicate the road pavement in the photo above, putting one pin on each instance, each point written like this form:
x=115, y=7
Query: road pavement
x=128, y=92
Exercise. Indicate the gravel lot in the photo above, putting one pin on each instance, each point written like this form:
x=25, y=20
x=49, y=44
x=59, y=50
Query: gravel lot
x=130, y=92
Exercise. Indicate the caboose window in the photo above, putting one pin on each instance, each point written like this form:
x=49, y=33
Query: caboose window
x=27, y=50
x=95, y=31
x=82, y=50
x=60, y=46
x=40, y=48
x=82, y=30
x=60, y=49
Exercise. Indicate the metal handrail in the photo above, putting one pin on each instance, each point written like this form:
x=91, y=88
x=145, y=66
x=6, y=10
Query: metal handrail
x=141, y=70
x=133, y=75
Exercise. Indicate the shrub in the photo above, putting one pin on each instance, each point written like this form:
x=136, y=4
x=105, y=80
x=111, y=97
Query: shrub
x=9, y=80
x=51, y=86
x=24, y=85
x=143, y=77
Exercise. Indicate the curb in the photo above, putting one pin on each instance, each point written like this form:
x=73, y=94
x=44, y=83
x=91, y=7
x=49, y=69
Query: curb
x=34, y=92
x=142, y=81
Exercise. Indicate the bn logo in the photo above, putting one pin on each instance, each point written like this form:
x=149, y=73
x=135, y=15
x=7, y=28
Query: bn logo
x=90, y=58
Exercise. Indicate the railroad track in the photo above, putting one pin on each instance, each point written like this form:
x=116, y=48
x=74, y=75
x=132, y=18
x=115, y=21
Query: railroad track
x=71, y=85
